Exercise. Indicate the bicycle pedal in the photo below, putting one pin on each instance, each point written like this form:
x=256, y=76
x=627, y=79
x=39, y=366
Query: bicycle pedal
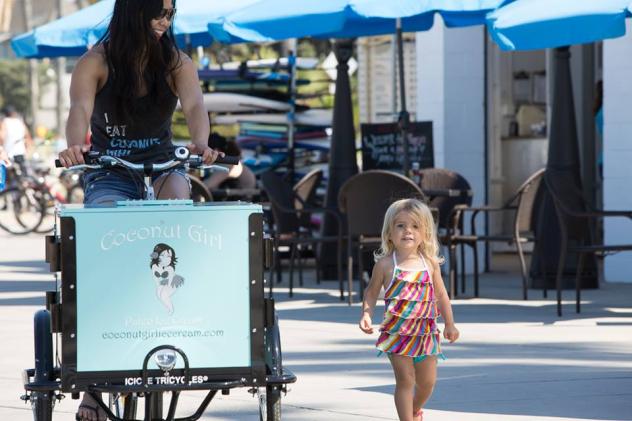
x=25, y=398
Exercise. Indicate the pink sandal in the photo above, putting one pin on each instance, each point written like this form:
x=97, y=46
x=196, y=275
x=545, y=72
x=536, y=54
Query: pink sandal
x=418, y=416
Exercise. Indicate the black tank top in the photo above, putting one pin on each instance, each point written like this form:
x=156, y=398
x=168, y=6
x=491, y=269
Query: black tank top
x=146, y=138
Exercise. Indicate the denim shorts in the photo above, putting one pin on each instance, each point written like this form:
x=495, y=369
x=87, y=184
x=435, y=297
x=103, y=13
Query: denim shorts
x=107, y=186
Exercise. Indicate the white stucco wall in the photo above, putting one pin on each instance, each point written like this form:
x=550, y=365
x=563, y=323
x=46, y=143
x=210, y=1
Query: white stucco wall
x=617, y=148
x=450, y=92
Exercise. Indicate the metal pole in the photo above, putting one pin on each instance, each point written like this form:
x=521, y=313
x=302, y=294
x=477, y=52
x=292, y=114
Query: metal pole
x=292, y=112
x=27, y=9
x=404, y=117
x=60, y=70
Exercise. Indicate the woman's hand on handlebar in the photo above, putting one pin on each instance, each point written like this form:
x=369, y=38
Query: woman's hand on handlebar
x=208, y=155
x=73, y=155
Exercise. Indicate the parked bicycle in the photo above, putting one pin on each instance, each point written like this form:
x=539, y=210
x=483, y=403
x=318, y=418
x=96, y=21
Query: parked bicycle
x=23, y=202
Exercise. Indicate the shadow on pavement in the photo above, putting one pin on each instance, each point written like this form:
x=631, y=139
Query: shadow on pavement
x=27, y=266
x=538, y=379
x=26, y=286
x=27, y=301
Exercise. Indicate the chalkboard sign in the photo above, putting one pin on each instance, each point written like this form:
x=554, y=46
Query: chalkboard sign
x=382, y=147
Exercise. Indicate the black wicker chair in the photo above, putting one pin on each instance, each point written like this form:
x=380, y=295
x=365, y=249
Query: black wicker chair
x=291, y=227
x=364, y=199
x=573, y=213
x=522, y=206
x=447, y=191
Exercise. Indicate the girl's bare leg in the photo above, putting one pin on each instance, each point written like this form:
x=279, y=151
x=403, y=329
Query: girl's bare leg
x=425, y=378
x=404, y=385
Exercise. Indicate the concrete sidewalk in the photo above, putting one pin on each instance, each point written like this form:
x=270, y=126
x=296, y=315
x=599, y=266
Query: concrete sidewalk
x=515, y=360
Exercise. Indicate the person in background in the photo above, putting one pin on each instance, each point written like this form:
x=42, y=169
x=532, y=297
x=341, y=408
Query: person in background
x=15, y=137
x=239, y=176
x=4, y=157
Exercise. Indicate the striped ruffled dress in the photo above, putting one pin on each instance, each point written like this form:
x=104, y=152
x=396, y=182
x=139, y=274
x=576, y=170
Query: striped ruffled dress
x=409, y=327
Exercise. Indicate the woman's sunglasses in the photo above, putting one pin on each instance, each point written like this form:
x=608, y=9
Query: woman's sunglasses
x=166, y=14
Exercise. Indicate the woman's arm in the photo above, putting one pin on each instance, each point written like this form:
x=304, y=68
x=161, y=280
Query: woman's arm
x=187, y=86
x=450, y=331
x=89, y=70
x=371, y=294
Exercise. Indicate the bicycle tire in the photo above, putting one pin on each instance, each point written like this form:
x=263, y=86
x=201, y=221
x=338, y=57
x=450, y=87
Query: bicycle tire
x=42, y=403
x=273, y=403
x=48, y=220
x=17, y=215
x=274, y=360
x=199, y=192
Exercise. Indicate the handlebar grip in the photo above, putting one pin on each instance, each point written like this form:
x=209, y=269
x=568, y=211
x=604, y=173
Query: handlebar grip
x=229, y=160
x=88, y=157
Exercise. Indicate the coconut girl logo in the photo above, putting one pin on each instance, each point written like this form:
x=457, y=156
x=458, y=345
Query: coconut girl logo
x=163, y=270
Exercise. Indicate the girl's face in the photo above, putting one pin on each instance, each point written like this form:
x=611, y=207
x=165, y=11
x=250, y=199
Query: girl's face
x=160, y=24
x=165, y=258
x=406, y=232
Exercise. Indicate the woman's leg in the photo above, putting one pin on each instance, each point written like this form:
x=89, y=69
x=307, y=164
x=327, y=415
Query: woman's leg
x=404, y=385
x=173, y=185
x=425, y=378
x=89, y=409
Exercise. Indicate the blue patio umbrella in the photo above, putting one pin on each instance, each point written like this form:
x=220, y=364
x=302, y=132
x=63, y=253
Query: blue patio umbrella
x=68, y=36
x=270, y=20
x=537, y=24
x=73, y=34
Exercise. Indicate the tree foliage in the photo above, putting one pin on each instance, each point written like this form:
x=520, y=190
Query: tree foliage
x=14, y=88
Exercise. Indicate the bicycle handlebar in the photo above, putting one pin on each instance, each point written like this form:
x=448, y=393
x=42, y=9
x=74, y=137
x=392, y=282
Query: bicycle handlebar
x=95, y=160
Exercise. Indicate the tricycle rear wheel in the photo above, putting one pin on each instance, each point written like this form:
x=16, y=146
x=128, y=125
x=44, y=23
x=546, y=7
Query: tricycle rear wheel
x=274, y=361
x=42, y=402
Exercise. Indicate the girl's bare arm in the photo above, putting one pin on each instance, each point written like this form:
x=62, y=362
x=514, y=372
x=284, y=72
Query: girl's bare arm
x=443, y=301
x=371, y=294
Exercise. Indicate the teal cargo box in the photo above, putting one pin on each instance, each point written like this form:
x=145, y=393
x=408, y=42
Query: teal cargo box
x=147, y=274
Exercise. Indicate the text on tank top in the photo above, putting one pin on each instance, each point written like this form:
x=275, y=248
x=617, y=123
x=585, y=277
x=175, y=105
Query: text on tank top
x=146, y=138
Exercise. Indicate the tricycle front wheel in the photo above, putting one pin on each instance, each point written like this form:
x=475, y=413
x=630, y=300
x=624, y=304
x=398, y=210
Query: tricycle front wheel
x=270, y=404
x=273, y=403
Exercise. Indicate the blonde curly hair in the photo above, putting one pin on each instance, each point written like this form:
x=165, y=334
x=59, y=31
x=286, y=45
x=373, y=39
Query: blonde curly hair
x=421, y=213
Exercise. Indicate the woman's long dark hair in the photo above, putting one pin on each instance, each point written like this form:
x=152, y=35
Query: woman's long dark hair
x=139, y=63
